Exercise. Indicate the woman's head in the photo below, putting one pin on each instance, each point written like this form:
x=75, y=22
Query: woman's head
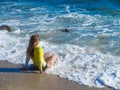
x=34, y=40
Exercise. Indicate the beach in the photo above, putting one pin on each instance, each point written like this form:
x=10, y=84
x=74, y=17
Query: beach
x=12, y=78
x=89, y=52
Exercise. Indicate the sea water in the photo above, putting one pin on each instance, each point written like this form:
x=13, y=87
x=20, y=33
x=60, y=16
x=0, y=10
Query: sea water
x=89, y=53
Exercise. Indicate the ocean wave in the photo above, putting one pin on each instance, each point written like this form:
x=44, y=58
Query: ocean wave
x=83, y=65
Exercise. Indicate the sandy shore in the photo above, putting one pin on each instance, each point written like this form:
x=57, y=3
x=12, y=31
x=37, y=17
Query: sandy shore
x=12, y=78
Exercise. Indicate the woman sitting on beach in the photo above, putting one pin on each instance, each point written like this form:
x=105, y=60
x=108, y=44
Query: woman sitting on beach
x=35, y=52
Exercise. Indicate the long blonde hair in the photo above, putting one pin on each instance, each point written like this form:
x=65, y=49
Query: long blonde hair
x=34, y=40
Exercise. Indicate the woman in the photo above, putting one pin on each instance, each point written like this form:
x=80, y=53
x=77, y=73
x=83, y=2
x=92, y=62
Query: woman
x=35, y=52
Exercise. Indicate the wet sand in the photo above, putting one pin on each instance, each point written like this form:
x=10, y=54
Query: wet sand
x=12, y=78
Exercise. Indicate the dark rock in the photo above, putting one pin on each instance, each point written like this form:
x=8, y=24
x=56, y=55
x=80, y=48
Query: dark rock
x=66, y=30
x=5, y=27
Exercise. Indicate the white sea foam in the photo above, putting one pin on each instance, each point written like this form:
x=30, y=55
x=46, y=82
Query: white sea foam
x=68, y=9
x=81, y=64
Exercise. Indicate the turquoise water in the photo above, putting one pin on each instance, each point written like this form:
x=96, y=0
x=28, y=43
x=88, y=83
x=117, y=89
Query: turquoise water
x=93, y=23
x=94, y=39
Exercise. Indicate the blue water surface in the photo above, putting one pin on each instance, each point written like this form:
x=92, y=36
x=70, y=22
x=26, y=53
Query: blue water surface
x=93, y=23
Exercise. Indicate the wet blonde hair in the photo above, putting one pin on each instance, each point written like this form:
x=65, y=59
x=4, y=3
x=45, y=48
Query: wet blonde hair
x=34, y=40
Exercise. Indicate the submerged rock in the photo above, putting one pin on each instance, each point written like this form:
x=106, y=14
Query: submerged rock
x=66, y=30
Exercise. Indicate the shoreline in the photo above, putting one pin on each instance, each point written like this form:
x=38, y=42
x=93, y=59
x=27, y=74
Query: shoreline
x=12, y=78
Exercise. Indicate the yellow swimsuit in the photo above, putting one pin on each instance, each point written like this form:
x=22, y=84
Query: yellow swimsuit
x=38, y=58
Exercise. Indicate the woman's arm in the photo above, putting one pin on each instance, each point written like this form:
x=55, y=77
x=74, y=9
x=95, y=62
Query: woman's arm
x=27, y=61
